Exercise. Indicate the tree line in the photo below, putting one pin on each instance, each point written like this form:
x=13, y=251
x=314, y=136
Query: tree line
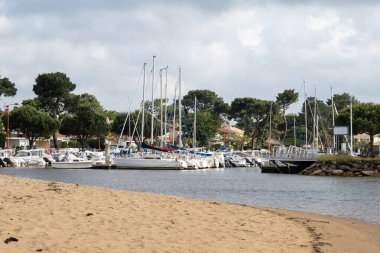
x=57, y=109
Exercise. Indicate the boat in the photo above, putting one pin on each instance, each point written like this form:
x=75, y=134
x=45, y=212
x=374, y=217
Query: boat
x=160, y=158
x=147, y=163
x=5, y=157
x=27, y=157
x=70, y=161
x=72, y=165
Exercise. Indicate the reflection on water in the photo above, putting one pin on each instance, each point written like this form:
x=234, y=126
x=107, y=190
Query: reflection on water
x=351, y=197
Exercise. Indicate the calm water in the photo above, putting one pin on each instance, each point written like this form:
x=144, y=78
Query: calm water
x=351, y=197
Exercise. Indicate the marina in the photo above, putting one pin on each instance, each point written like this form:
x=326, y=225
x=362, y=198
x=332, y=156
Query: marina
x=190, y=126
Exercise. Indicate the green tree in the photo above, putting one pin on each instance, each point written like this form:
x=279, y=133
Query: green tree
x=110, y=114
x=7, y=88
x=206, y=101
x=365, y=119
x=341, y=101
x=73, y=102
x=31, y=102
x=284, y=100
x=32, y=123
x=85, y=123
x=118, y=123
x=206, y=128
x=252, y=115
x=53, y=90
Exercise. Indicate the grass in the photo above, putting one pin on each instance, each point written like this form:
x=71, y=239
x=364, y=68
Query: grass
x=345, y=158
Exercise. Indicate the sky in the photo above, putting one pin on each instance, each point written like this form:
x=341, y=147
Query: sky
x=235, y=48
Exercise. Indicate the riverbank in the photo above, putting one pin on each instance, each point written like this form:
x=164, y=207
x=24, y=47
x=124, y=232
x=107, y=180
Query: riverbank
x=349, y=168
x=56, y=217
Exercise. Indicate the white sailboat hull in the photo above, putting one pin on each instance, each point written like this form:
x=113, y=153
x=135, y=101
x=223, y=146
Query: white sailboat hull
x=151, y=164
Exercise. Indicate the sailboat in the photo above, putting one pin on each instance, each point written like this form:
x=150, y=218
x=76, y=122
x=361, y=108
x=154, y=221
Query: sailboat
x=145, y=160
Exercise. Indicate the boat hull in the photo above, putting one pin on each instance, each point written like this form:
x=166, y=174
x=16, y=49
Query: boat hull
x=72, y=165
x=150, y=164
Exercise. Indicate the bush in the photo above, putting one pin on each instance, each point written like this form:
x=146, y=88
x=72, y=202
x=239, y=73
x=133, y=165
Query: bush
x=73, y=144
x=344, y=158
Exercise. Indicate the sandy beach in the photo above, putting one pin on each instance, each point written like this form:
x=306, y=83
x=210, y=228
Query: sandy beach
x=42, y=216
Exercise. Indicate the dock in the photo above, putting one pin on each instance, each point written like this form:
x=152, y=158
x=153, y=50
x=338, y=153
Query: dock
x=288, y=161
x=103, y=167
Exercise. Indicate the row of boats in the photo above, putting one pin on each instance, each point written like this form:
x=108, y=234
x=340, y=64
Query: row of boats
x=125, y=159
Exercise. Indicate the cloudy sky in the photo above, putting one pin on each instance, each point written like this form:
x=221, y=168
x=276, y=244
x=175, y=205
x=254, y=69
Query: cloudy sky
x=235, y=48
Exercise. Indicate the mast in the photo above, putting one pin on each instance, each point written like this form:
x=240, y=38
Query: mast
x=161, y=112
x=351, y=137
x=180, y=145
x=270, y=122
x=143, y=109
x=166, y=102
x=195, y=124
x=129, y=124
x=305, y=96
x=152, y=118
x=317, y=133
x=315, y=117
x=175, y=108
x=333, y=120
x=294, y=131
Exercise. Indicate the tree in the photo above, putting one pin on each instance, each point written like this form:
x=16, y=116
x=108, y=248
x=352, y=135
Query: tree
x=341, y=101
x=284, y=100
x=365, y=119
x=206, y=101
x=52, y=90
x=7, y=88
x=84, y=124
x=110, y=114
x=207, y=126
x=73, y=102
x=31, y=102
x=253, y=115
x=32, y=123
x=118, y=123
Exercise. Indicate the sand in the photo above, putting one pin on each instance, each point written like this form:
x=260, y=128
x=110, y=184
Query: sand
x=42, y=216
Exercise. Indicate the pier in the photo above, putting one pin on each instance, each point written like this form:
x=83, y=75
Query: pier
x=288, y=160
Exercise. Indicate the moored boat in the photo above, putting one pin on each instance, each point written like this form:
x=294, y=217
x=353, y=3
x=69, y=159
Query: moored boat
x=145, y=163
x=70, y=161
x=31, y=157
x=72, y=165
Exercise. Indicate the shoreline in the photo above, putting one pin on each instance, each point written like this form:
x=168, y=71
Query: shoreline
x=59, y=217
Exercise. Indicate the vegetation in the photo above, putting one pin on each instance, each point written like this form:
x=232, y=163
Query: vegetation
x=53, y=91
x=7, y=88
x=343, y=158
x=207, y=126
x=366, y=118
x=284, y=100
x=32, y=123
x=207, y=101
x=252, y=115
x=85, y=120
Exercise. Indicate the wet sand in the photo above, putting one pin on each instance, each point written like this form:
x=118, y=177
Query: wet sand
x=42, y=216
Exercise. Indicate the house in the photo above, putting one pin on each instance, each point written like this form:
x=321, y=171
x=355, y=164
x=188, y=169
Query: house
x=18, y=142
x=227, y=135
x=366, y=139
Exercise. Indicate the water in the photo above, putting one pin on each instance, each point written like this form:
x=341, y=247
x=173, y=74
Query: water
x=350, y=197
